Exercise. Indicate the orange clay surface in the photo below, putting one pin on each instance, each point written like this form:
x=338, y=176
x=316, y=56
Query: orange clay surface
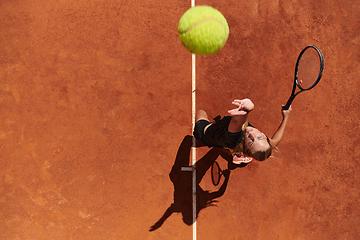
x=95, y=101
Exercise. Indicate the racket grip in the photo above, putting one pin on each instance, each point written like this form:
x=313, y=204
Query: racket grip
x=287, y=105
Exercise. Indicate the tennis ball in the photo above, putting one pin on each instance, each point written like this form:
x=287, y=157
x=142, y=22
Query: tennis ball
x=203, y=30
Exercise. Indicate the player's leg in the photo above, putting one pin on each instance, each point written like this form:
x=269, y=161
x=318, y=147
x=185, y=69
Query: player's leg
x=201, y=114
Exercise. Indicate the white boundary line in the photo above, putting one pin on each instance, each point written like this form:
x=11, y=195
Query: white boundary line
x=193, y=103
x=194, y=144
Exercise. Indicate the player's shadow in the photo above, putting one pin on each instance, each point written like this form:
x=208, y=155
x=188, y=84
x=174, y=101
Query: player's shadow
x=183, y=186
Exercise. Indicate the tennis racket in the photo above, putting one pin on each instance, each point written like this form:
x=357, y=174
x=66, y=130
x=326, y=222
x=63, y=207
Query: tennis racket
x=308, y=71
x=216, y=173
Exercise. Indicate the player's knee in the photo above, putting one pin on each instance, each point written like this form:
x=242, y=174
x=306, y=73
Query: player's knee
x=201, y=114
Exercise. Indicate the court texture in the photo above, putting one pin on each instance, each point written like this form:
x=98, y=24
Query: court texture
x=97, y=101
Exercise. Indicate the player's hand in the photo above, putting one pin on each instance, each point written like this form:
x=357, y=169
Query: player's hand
x=244, y=106
x=286, y=113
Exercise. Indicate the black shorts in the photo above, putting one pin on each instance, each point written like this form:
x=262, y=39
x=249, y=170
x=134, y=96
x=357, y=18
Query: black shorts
x=217, y=135
x=200, y=125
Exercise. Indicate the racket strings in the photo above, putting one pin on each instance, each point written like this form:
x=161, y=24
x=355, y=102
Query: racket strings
x=308, y=68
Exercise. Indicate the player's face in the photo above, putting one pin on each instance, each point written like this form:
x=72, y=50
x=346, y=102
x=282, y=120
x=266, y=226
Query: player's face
x=255, y=140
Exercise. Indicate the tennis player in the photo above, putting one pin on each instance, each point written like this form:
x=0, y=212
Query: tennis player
x=235, y=133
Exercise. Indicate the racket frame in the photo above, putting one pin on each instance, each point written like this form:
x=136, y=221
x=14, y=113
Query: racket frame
x=296, y=79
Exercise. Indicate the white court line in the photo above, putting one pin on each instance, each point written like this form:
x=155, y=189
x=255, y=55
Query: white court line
x=193, y=81
x=193, y=149
x=193, y=103
x=194, y=146
x=186, y=169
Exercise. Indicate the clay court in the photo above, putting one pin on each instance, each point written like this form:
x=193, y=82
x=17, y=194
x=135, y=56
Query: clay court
x=96, y=110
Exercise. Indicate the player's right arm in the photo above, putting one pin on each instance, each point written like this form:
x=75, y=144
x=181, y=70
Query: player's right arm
x=275, y=140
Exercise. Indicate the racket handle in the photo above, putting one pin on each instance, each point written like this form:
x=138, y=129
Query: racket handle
x=287, y=105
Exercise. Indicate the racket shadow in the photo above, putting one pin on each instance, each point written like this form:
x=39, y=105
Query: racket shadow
x=182, y=181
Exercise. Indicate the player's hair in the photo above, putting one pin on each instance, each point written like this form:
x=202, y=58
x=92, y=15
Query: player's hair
x=259, y=155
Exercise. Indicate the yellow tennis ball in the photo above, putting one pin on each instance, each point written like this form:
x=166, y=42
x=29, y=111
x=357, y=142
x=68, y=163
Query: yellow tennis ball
x=203, y=30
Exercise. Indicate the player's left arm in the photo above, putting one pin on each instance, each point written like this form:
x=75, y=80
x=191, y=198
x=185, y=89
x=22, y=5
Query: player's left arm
x=240, y=114
x=276, y=138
